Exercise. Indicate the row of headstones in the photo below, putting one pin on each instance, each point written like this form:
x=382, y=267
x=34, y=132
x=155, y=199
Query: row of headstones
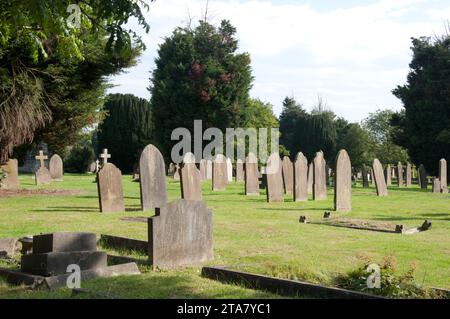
x=281, y=177
x=43, y=175
x=383, y=180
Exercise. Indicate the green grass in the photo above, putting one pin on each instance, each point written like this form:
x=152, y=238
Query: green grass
x=249, y=235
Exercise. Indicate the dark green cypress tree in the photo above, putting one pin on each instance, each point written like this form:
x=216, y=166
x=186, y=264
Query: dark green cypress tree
x=126, y=130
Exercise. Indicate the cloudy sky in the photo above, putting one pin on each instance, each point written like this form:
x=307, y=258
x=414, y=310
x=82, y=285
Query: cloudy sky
x=350, y=52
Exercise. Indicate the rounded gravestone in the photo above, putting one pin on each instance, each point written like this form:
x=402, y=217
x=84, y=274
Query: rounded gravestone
x=378, y=175
x=110, y=189
x=288, y=175
x=274, y=179
x=56, y=167
x=343, y=183
x=152, y=178
x=190, y=179
x=320, y=176
x=300, y=178
x=219, y=173
x=251, y=175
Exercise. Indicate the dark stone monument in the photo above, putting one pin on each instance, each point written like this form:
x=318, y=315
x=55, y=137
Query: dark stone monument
x=42, y=175
x=422, y=177
x=53, y=253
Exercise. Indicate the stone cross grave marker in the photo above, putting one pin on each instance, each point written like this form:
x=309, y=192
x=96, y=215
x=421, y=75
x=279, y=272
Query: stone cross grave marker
x=104, y=156
x=378, y=175
x=110, y=190
x=300, y=178
x=251, y=175
x=152, y=178
x=42, y=175
x=343, y=183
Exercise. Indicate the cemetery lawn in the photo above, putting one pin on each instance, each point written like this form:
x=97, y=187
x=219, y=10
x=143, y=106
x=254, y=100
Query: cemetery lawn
x=249, y=235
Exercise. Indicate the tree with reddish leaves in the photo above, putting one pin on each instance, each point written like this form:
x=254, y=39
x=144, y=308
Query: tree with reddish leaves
x=199, y=76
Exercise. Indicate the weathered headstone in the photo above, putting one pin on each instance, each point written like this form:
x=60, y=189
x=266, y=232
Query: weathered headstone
x=11, y=170
x=343, y=183
x=191, y=188
x=171, y=169
x=274, y=179
x=220, y=177
x=203, y=176
x=400, y=180
x=422, y=177
x=176, y=174
x=181, y=234
x=408, y=175
x=229, y=170
x=152, y=178
x=288, y=175
x=378, y=175
x=239, y=171
x=93, y=167
x=310, y=177
x=209, y=169
x=42, y=175
x=388, y=175
x=443, y=175
x=110, y=191
x=436, y=185
x=251, y=175
x=300, y=178
x=319, y=183
x=56, y=168
x=365, y=177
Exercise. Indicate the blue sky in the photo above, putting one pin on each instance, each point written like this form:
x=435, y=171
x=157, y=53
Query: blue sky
x=351, y=53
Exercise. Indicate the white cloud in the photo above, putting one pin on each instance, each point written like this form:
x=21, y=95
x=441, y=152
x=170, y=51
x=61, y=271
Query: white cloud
x=353, y=56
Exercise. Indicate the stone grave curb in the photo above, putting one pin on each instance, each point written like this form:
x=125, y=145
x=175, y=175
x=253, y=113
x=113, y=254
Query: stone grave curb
x=116, y=242
x=282, y=286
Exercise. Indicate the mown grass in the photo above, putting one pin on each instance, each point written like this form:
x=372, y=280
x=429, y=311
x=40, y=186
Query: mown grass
x=249, y=235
